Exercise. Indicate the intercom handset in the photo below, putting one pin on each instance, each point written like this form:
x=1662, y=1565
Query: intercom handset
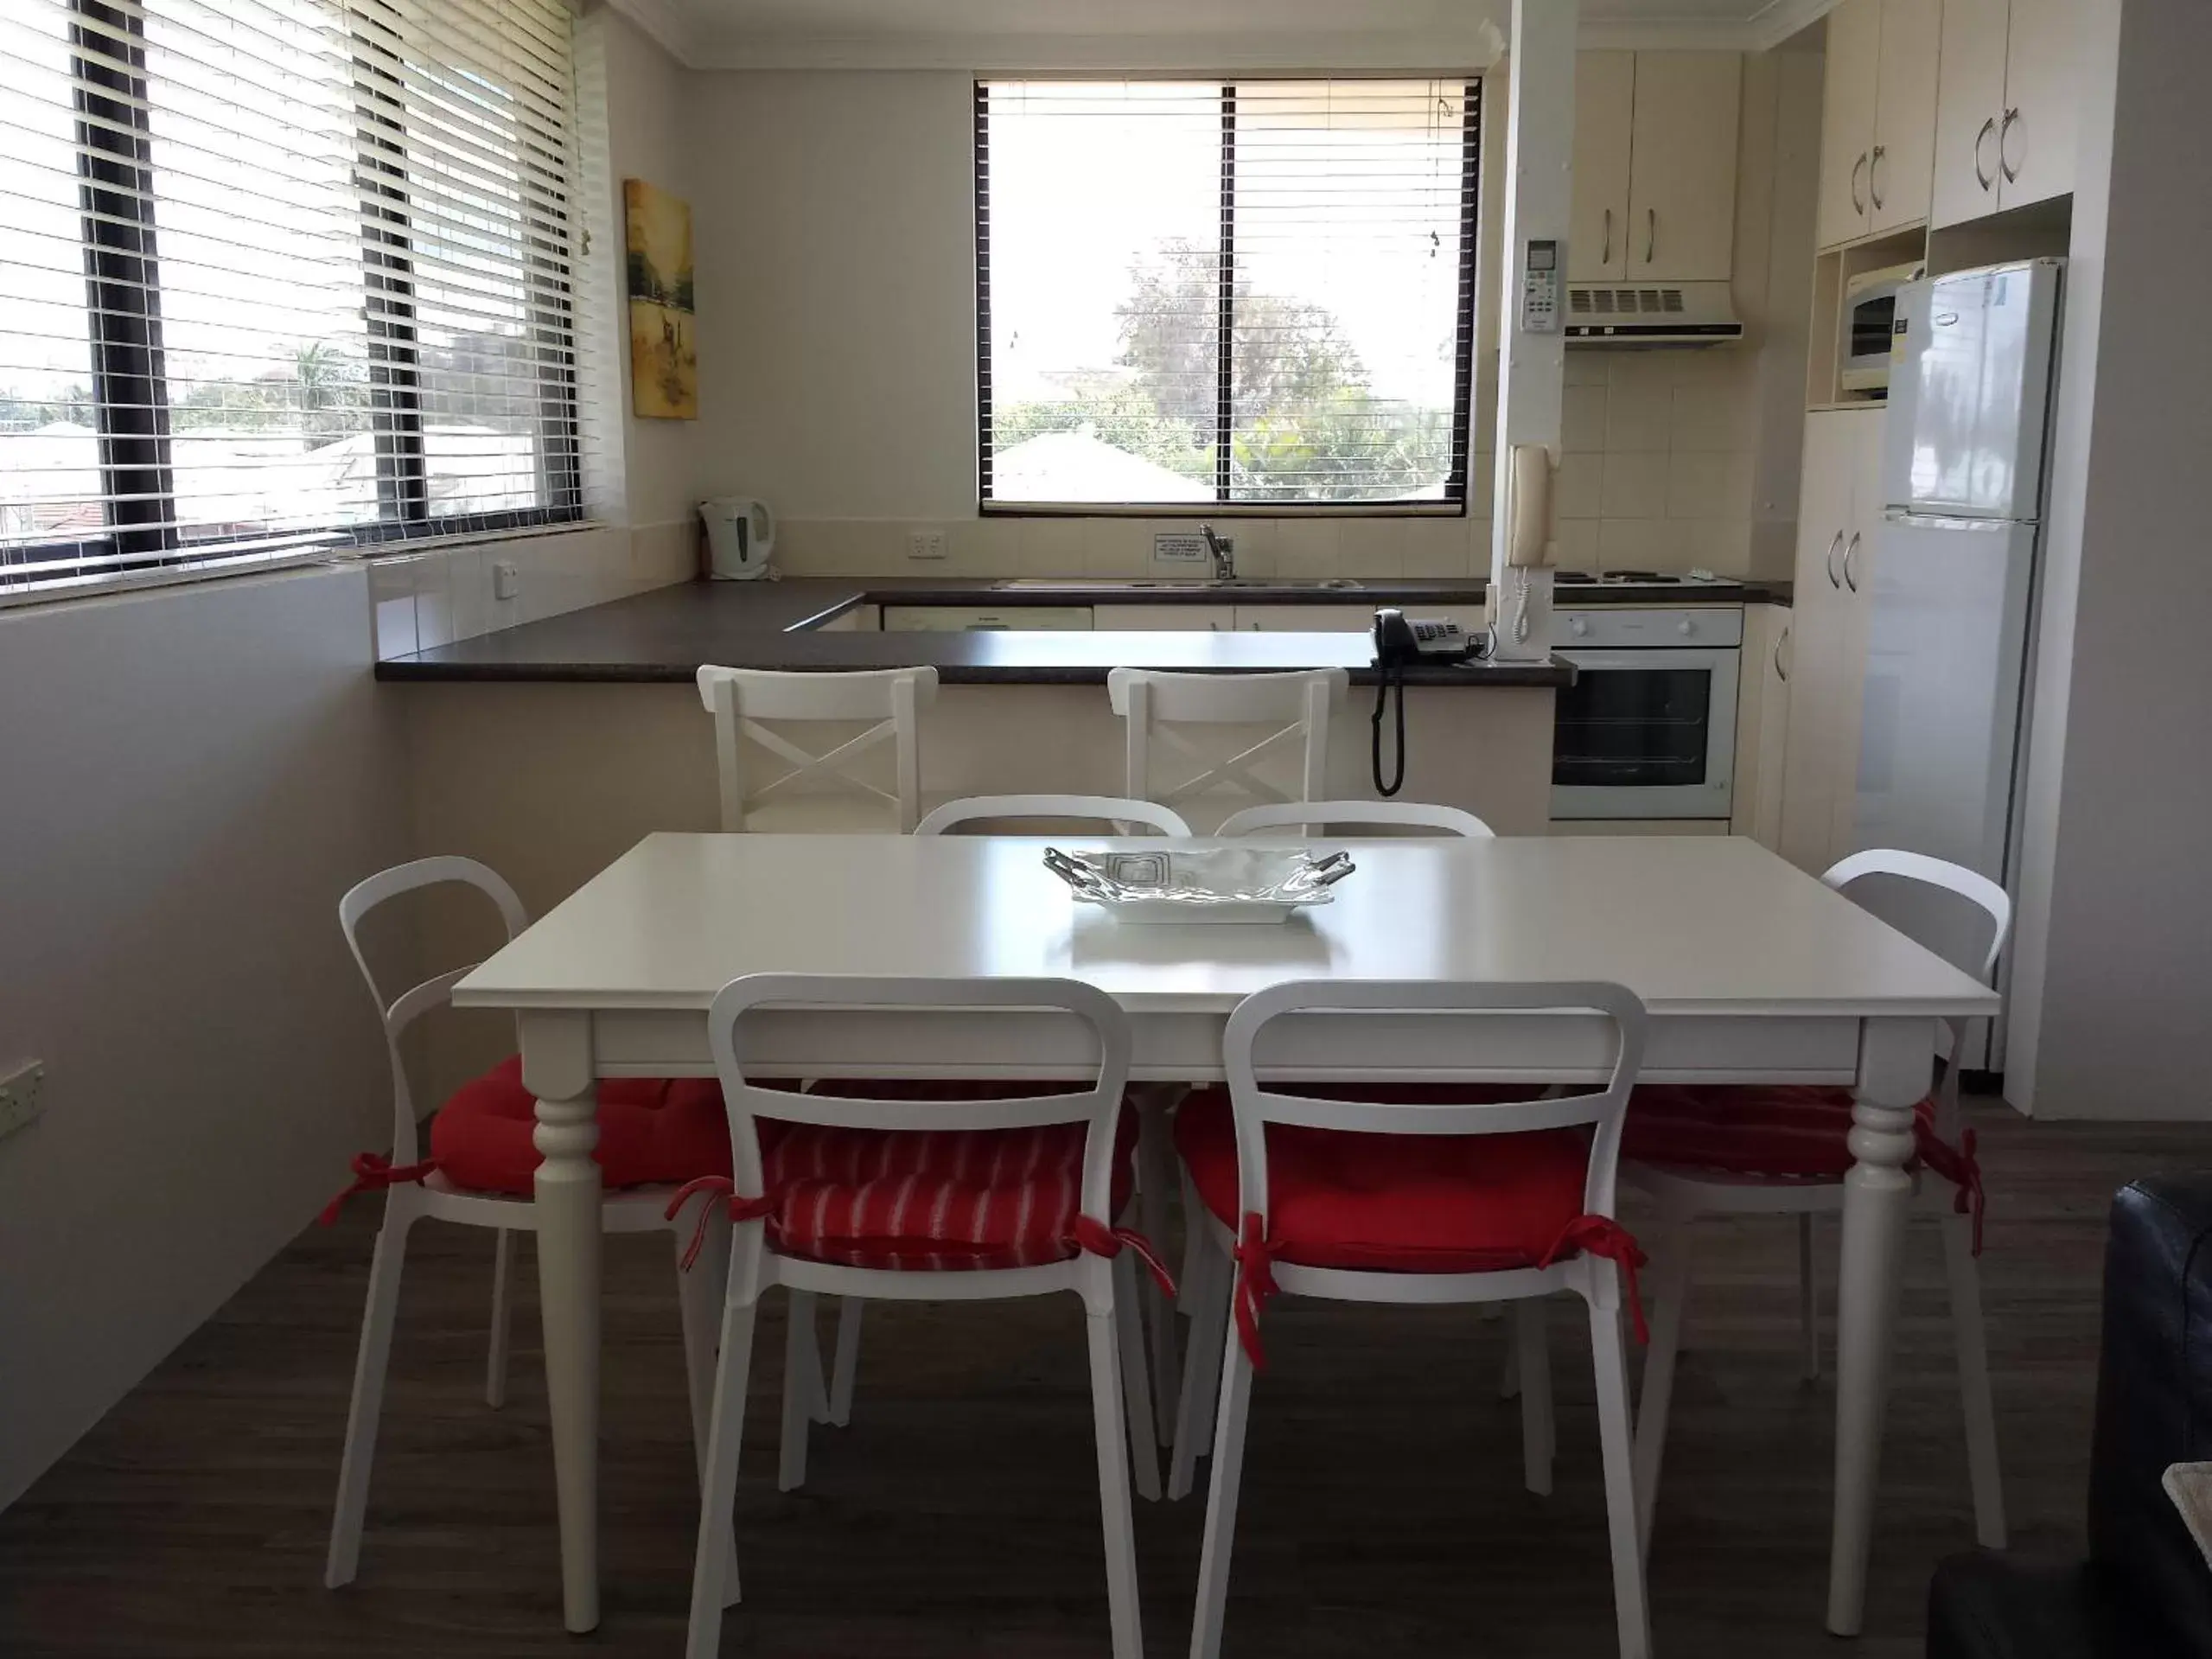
x=1400, y=641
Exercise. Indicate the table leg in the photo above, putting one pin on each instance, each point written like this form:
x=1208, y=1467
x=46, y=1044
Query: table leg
x=557, y=1068
x=1896, y=1064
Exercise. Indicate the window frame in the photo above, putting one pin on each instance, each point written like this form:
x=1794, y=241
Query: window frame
x=1457, y=500
x=118, y=201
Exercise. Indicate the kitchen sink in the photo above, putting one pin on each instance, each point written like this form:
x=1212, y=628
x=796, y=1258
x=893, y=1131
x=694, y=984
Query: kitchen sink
x=1187, y=584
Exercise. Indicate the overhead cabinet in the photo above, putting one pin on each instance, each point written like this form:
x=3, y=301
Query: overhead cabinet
x=2007, y=107
x=1654, y=166
x=1879, y=122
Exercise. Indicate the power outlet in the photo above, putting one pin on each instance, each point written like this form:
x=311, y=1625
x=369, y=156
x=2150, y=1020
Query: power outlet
x=506, y=578
x=20, y=1093
x=925, y=544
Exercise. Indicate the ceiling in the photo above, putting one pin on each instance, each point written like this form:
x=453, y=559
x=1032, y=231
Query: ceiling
x=1177, y=34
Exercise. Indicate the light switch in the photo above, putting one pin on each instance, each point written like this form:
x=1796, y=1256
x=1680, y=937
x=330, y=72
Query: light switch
x=506, y=579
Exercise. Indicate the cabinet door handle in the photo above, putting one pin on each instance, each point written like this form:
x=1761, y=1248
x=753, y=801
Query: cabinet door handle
x=1874, y=178
x=1850, y=580
x=1830, y=562
x=2004, y=147
x=1781, y=673
x=1857, y=205
x=1606, y=257
x=1650, y=234
x=1983, y=179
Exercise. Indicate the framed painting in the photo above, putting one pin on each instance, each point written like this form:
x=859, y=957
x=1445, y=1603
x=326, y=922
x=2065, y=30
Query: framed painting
x=663, y=354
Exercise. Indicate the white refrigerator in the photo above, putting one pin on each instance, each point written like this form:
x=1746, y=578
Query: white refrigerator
x=1944, y=722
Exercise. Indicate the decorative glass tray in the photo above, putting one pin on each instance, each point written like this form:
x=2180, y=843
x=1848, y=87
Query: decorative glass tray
x=1227, y=884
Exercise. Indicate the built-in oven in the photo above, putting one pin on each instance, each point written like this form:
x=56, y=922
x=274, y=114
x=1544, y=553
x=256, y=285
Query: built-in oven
x=1648, y=730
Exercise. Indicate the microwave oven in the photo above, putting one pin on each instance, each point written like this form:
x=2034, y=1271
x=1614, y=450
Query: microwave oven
x=1867, y=323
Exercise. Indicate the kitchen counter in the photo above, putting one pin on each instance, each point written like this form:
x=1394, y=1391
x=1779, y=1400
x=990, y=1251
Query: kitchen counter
x=666, y=634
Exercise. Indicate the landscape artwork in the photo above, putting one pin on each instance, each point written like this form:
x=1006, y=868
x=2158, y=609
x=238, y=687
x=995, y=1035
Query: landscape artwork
x=664, y=355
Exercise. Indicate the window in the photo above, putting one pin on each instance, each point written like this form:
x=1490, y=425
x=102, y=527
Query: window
x=276, y=275
x=1230, y=293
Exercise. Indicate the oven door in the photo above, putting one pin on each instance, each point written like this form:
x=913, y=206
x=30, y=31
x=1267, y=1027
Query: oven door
x=1646, y=734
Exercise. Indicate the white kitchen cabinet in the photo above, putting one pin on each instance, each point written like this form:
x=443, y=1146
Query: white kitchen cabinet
x=1839, y=523
x=1306, y=619
x=1164, y=619
x=861, y=619
x=1879, y=122
x=2007, y=106
x=1654, y=166
x=1762, y=723
x=1597, y=234
x=959, y=619
x=1682, y=167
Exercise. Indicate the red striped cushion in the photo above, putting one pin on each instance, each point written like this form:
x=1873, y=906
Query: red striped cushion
x=935, y=1199
x=1408, y=1203
x=652, y=1131
x=1790, y=1132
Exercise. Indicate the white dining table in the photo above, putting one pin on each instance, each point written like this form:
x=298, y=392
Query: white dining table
x=1752, y=971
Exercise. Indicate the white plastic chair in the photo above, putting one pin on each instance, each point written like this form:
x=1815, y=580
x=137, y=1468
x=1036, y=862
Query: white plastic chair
x=639, y=1209
x=1684, y=1194
x=1152, y=705
x=1105, y=1286
x=1109, y=808
x=1310, y=817
x=1215, y=1342
x=818, y=791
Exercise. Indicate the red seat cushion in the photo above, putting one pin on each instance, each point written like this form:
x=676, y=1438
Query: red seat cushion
x=651, y=1131
x=1788, y=1131
x=934, y=1199
x=1408, y=1203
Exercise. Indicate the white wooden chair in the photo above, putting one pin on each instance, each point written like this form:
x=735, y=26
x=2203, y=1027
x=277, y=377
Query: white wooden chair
x=825, y=790
x=1545, y=1167
x=1109, y=809
x=1156, y=1150
x=1725, y=1180
x=1292, y=710
x=1048, y=1251
x=415, y=1191
x=1300, y=818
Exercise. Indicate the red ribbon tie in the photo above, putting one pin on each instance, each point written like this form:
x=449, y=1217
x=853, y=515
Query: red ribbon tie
x=1100, y=1240
x=1958, y=1165
x=1255, y=1284
x=1600, y=1235
x=373, y=1172
x=740, y=1209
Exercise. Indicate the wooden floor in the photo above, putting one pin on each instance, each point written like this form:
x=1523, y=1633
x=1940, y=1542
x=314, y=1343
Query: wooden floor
x=1383, y=1512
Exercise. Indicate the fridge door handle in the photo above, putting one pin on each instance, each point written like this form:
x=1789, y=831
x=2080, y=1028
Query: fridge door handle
x=1781, y=640
x=1830, y=562
x=1850, y=580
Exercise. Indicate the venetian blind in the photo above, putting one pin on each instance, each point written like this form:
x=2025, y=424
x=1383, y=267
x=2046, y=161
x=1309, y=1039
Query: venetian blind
x=1250, y=291
x=276, y=275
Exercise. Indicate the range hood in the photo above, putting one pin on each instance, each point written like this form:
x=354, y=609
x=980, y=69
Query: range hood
x=1619, y=315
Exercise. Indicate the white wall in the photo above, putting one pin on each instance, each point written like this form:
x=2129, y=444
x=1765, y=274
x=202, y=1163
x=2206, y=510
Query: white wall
x=836, y=296
x=2114, y=952
x=195, y=775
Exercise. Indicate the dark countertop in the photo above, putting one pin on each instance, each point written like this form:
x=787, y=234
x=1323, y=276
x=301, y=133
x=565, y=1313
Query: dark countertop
x=665, y=634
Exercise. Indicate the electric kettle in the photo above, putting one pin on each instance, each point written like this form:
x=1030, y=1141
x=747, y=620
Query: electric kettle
x=741, y=537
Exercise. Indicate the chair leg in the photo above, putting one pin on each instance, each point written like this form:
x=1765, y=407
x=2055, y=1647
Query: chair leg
x=1221, y=1500
x=801, y=1377
x=1509, y=1367
x=1112, y=1430
x=1808, y=1297
x=1631, y=1612
x=369, y=1367
x=699, y=1296
x=1538, y=1429
x=1670, y=1293
x=846, y=1364
x=1157, y=1179
x=714, y=1569
x=502, y=1320
x=1987, y=1478
x=1136, y=1382
x=1207, y=1290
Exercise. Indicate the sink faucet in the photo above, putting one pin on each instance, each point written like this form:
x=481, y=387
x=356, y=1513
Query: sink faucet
x=1224, y=550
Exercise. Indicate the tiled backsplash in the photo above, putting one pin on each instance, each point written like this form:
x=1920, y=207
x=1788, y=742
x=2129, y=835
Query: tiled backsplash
x=443, y=594
x=1656, y=474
